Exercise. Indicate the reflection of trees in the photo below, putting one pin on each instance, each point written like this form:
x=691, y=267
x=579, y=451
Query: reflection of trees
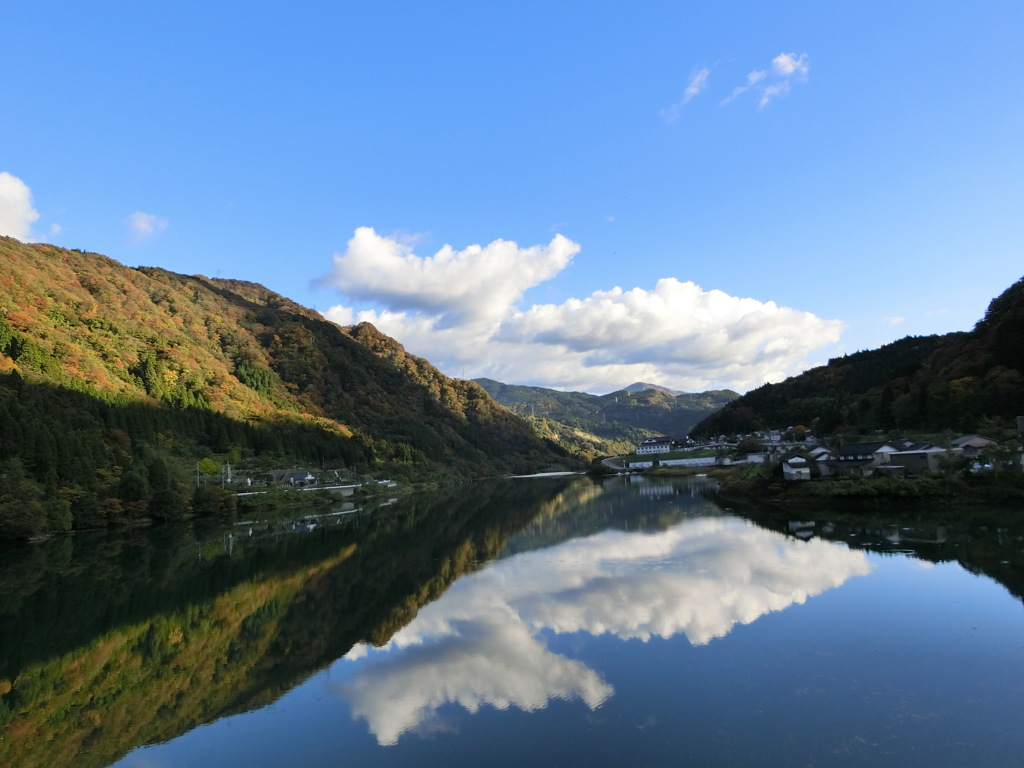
x=984, y=541
x=628, y=503
x=124, y=642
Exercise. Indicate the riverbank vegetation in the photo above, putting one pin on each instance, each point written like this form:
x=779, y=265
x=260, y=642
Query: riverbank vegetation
x=764, y=482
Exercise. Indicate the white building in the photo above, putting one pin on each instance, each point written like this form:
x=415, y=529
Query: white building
x=654, y=445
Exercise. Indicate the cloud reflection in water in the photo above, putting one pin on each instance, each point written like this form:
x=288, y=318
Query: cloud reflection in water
x=480, y=642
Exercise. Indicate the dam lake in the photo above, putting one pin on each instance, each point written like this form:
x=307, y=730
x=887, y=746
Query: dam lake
x=548, y=621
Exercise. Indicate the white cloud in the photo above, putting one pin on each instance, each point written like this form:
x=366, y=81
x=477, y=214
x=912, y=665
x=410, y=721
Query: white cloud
x=773, y=90
x=482, y=642
x=474, y=284
x=786, y=69
x=460, y=311
x=892, y=322
x=752, y=79
x=144, y=226
x=16, y=212
x=697, y=84
x=790, y=65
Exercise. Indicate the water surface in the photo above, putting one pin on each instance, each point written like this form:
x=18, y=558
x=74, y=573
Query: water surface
x=544, y=621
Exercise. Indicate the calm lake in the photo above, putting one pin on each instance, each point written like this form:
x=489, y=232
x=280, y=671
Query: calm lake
x=549, y=622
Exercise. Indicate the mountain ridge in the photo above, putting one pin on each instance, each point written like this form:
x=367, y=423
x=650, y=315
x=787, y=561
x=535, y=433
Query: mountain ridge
x=116, y=381
x=614, y=423
x=967, y=381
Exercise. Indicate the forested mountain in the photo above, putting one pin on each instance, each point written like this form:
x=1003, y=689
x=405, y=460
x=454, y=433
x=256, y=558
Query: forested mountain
x=967, y=382
x=115, y=382
x=642, y=386
x=607, y=424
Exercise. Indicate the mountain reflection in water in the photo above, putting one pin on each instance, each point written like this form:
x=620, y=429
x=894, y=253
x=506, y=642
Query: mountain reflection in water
x=553, y=621
x=482, y=642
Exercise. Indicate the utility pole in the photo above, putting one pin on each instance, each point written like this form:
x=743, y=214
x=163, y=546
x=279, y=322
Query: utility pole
x=1020, y=434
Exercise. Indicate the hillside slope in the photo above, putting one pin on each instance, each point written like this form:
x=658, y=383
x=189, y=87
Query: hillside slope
x=967, y=381
x=115, y=382
x=607, y=424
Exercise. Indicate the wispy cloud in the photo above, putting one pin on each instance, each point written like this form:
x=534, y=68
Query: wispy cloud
x=460, y=310
x=892, y=322
x=778, y=79
x=697, y=84
x=144, y=226
x=752, y=79
x=16, y=212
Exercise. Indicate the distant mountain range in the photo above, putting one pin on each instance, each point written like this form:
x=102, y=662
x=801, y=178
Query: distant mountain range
x=641, y=386
x=967, y=382
x=607, y=424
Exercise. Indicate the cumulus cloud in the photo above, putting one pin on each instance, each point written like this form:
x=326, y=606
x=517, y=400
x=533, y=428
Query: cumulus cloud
x=790, y=65
x=697, y=84
x=482, y=642
x=474, y=284
x=16, y=212
x=144, y=226
x=460, y=310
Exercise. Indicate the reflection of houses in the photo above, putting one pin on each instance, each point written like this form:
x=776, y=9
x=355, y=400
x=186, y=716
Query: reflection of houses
x=916, y=535
x=802, y=529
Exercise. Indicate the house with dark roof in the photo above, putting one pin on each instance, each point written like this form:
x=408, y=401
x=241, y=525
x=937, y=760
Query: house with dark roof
x=861, y=459
x=972, y=445
x=919, y=460
x=654, y=445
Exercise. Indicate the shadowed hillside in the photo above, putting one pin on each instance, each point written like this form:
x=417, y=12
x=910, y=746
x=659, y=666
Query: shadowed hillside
x=607, y=424
x=115, y=382
x=967, y=382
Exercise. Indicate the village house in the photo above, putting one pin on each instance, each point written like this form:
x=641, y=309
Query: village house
x=972, y=445
x=796, y=468
x=654, y=445
x=860, y=459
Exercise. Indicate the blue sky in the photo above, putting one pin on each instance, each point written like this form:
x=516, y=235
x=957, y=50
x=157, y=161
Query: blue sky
x=576, y=195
